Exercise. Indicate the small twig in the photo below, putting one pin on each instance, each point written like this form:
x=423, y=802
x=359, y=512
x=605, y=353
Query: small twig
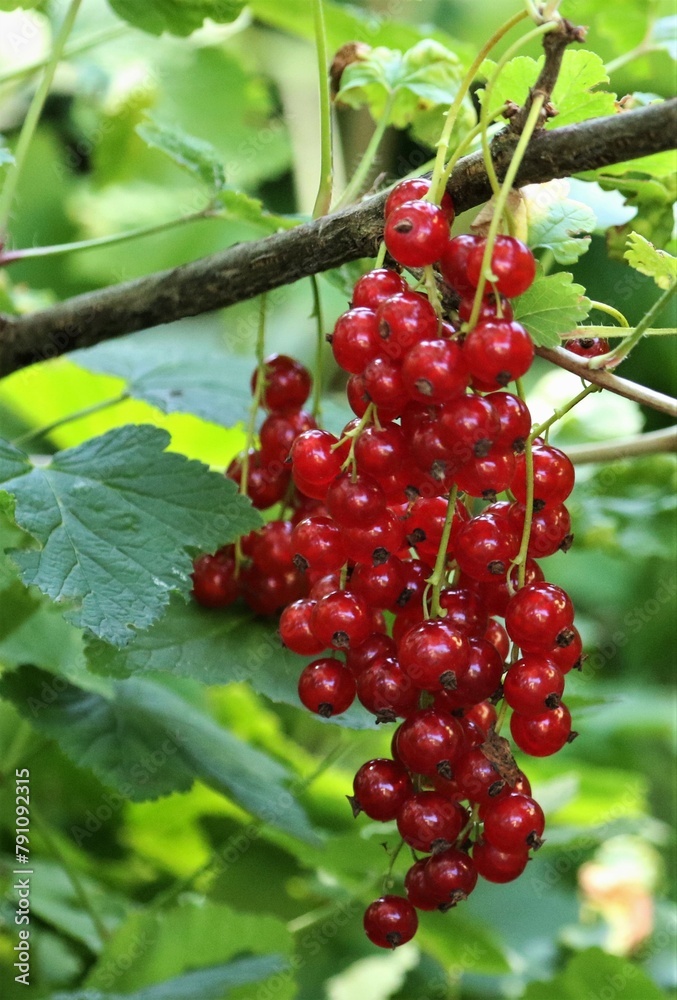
x=651, y=443
x=554, y=45
x=621, y=386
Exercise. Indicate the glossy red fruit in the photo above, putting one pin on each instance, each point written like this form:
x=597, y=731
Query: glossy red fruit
x=497, y=352
x=377, y=646
x=454, y=263
x=375, y=543
x=295, y=630
x=355, y=500
x=355, y=340
x=384, y=386
x=376, y=286
x=480, y=678
x=464, y=611
x=326, y=687
x=341, y=620
x=417, y=572
x=450, y=877
x=280, y=430
x=512, y=264
x=381, y=584
x=489, y=308
x=390, y=921
x=485, y=547
x=214, y=581
x=469, y=427
x=287, y=383
x=514, y=823
x=434, y=371
x=267, y=482
x=587, y=347
x=404, y=320
x=428, y=742
x=380, y=451
x=498, y=637
x=414, y=189
x=554, y=477
x=429, y=821
x=386, y=691
x=380, y=788
x=542, y=735
x=317, y=456
x=488, y=475
x=514, y=420
x=499, y=866
x=477, y=777
x=433, y=654
x=416, y=887
x=540, y=617
x=269, y=593
x=568, y=657
x=317, y=543
x=416, y=233
x=533, y=685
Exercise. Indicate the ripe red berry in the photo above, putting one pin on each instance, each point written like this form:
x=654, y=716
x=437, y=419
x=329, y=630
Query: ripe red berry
x=454, y=263
x=429, y=821
x=341, y=620
x=379, y=585
x=514, y=420
x=514, y=823
x=214, y=581
x=355, y=340
x=386, y=691
x=416, y=887
x=376, y=646
x=477, y=777
x=326, y=687
x=287, y=384
x=414, y=189
x=533, y=684
x=485, y=547
x=295, y=630
x=539, y=617
x=375, y=543
x=433, y=654
x=428, y=742
x=587, y=347
x=317, y=543
x=497, y=352
x=316, y=457
x=390, y=921
x=495, y=865
x=554, y=477
x=450, y=877
x=416, y=233
x=376, y=286
x=380, y=788
x=512, y=264
x=355, y=500
x=404, y=320
x=434, y=371
x=542, y=735
x=279, y=431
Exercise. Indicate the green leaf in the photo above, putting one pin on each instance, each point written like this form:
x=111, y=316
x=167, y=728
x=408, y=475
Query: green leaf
x=146, y=741
x=647, y=259
x=557, y=222
x=180, y=17
x=15, y=4
x=664, y=35
x=6, y=154
x=167, y=369
x=196, y=156
x=215, y=648
x=114, y=518
x=213, y=983
x=553, y=305
x=472, y=946
x=242, y=207
x=191, y=936
x=573, y=96
x=594, y=973
x=405, y=87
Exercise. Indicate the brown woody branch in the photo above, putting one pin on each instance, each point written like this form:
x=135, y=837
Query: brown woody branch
x=554, y=46
x=651, y=443
x=246, y=270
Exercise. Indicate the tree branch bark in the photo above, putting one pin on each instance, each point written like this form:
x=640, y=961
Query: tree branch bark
x=651, y=443
x=246, y=270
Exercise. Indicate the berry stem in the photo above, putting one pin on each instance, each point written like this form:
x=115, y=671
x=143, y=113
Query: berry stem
x=381, y=255
x=258, y=395
x=501, y=202
x=353, y=435
x=609, y=332
x=559, y=413
x=614, y=357
x=388, y=877
x=466, y=142
x=13, y=174
x=319, y=318
x=436, y=185
x=610, y=311
x=364, y=166
x=87, y=411
x=437, y=578
x=324, y=191
x=521, y=560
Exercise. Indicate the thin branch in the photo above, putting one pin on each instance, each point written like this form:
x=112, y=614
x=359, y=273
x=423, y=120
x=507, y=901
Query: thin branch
x=651, y=443
x=246, y=270
x=554, y=46
x=621, y=386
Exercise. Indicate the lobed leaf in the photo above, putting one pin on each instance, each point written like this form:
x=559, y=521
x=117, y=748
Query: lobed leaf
x=196, y=156
x=644, y=257
x=558, y=222
x=554, y=304
x=179, y=17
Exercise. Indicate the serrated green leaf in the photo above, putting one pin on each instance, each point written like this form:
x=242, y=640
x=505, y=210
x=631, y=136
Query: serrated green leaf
x=593, y=972
x=553, y=305
x=145, y=741
x=647, y=259
x=186, y=937
x=213, y=983
x=215, y=648
x=183, y=368
x=196, y=156
x=404, y=87
x=114, y=518
x=573, y=96
x=558, y=222
x=180, y=17
x=664, y=35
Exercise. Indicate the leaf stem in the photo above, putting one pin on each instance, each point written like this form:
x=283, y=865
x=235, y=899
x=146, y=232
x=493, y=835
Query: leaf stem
x=324, y=191
x=73, y=876
x=501, y=201
x=621, y=351
x=317, y=312
x=364, y=166
x=615, y=331
x=559, y=413
x=29, y=253
x=33, y=116
x=611, y=311
x=87, y=411
x=436, y=184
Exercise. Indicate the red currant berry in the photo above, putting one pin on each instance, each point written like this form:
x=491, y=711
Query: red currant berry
x=553, y=477
x=464, y=611
x=379, y=585
x=280, y=430
x=498, y=637
x=384, y=386
x=355, y=500
x=469, y=426
x=433, y=654
x=376, y=286
x=287, y=383
x=295, y=630
x=390, y=921
x=490, y=308
x=428, y=742
x=485, y=547
x=542, y=735
x=341, y=620
x=512, y=264
x=386, y=691
x=568, y=657
x=454, y=263
x=429, y=821
x=415, y=189
x=434, y=371
x=514, y=823
x=317, y=457
x=416, y=887
x=497, y=352
x=375, y=647
x=214, y=581
x=380, y=451
x=316, y=542
x=404, y=320
x=588, y=347
x=326, y=687
x=416, y=233
x=495, y=865
x=540, y=617
x=477, y=777
x=375, y=543
x=380, y=788
x=514, y=420
x=355, y=340
x=450, y=877
x=487, y=476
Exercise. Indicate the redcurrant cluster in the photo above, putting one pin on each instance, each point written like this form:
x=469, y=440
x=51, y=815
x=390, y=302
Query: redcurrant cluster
x=400, y=515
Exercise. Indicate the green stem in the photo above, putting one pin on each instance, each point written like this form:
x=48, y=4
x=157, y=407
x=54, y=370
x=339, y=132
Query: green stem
x=465, y=144
x=640, y=50
x=437, y=578
x=87, y=411
x=324, y=191
x=614, y=331
x=317, y=313
x=388, y=877
x=501, y=202
x=614, y=357
x=353, y=435
x=28, y=253
x=71, y=872
x=364, y=166
x=258, y=395
x=559, y=413
x=33, y=116
x=75, y=49
x=611, y=311
x=436, y=186
x=521, y=560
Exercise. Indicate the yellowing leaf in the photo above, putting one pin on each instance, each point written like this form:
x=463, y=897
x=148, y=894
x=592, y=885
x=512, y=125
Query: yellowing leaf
x=644, y=257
